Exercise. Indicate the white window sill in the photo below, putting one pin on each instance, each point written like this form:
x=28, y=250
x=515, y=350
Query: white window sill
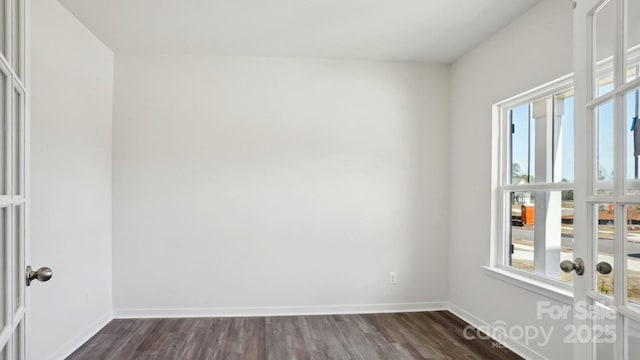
x=539, y=287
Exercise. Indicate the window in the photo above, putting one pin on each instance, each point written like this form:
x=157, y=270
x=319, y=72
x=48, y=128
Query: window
x=535, y=176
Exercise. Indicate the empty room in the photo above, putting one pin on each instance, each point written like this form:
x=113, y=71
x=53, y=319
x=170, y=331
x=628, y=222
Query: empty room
x=319, y=179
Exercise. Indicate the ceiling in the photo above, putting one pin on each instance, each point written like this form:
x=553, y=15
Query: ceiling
x=409, y=30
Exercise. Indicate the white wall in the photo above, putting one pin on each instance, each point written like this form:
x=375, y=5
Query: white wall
x=533, y=50
x=242, y=183
x=72, y=96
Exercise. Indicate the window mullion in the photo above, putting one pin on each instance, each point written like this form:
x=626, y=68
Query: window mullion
x=540, y=187
x=547, y=239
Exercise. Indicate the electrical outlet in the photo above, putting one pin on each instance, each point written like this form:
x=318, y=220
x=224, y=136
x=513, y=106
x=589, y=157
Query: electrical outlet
x=393, y=278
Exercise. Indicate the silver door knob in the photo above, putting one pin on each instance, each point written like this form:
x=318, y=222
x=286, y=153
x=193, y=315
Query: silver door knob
x=604, y=268
x=569, y=266
x=43, y=274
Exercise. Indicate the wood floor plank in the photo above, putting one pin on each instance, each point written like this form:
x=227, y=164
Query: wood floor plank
x=401, y=336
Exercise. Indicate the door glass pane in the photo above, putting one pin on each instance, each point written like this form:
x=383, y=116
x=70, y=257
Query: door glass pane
x=566, y=232
x=4, y=269
x=4, y=106
x=632, y=151
x=18, y=257
x=18, y=142
x=17, y=342
x=563, y=130
x=522, y=145
x=633, y=253
x=632, y=39
x=603, y=332
x=17, y=32
x=633, y=339
x=604, y=21
x=605, y=191
x=603, y=117
x=3, y=27
x=604, y=245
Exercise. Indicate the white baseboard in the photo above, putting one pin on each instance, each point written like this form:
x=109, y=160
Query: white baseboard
x=515, y=346
x=73, y=345
x=278, y=311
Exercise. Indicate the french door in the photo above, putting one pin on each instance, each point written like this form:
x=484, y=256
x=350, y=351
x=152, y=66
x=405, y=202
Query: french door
x=607, y=216
x=13, y=199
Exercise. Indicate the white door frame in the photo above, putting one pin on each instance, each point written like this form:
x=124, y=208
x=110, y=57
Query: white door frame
x=14, y=170
x=611, y=341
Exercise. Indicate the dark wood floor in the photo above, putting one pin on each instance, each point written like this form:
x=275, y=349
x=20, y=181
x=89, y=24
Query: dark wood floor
x=427, y=335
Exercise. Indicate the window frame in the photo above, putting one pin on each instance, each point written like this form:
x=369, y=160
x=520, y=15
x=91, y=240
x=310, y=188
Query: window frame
x=501, y=204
